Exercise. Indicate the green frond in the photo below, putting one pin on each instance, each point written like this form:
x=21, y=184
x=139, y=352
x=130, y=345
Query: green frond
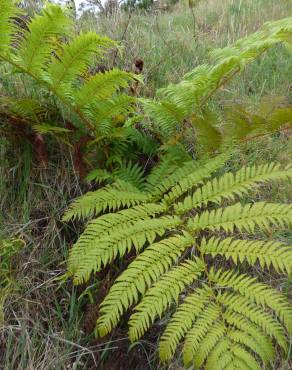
x=109, y=198
x=102, y=85
x=41, y=39
x=231, y=185
x=253, y=312
x=120, y=241
x=241, y=337
x=258, y=293
x=188, y=177
x=182, y=321
x=159, y=297
x=105, y=224
x=264, y=344
x=161, y=177
x=166, y=116
x=247, y=217
x=267, y=253
x=217, y=332
x=220, y=357
x=8, y=10
x=74, y=59
x=139, y=276
x=198, y=332
x=243, y=359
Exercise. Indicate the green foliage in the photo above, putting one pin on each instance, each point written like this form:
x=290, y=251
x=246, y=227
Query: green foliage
x=61, y=88
x=185, y=110
x=190, y=261
x=8, y=249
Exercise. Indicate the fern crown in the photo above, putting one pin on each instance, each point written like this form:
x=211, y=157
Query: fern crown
x=224, y=317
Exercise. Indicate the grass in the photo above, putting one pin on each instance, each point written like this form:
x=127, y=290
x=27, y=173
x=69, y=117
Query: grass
x=46, y=321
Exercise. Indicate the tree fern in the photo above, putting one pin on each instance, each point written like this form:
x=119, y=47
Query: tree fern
x=223, y=315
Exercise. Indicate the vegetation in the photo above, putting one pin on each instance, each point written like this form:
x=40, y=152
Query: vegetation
x=183, y=191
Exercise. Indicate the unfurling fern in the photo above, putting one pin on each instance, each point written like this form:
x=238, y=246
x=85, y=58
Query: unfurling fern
x=190, y=261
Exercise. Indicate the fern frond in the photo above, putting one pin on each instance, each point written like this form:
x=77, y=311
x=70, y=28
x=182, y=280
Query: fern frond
x=182, y=321
x=120, y=241
x=267, y=253
x=243, y=359
x=264, y=344
x=40, y=39
x=220, y=357
x=74, y=59
x=248, y=341
x=8, y=10
x=230, y=185
x=247, y=217
x=258, y=293
x=244, y=306
x=102, y=85
x=109, y=198
x=139, y=276
x=158, y=298
x=198, y=332
x=188, y=177
x=167, y=116
x=105, y=224
x=217, y=332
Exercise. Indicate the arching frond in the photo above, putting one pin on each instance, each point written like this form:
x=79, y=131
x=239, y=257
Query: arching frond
x=8, y=10
x=256, y=292
x=192, y=175
x=139, y=276
x=110, y=197
x=158, y=298
x=247, y=217
x=40, y=38
x=198, y=332
x=182, y=321
x=74, y=59
x=230, y=185
x=267, y=253
x=257, y=315
x=120, y=241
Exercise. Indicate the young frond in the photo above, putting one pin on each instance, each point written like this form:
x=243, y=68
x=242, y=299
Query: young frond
x=267, y=253
x=230, y=185
x=109, y=198
x=158, y=298
x=40, y=39
x=138, y=277
x=243, y=218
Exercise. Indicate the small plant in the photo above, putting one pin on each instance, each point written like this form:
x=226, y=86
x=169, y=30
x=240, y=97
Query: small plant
x=192, y=250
